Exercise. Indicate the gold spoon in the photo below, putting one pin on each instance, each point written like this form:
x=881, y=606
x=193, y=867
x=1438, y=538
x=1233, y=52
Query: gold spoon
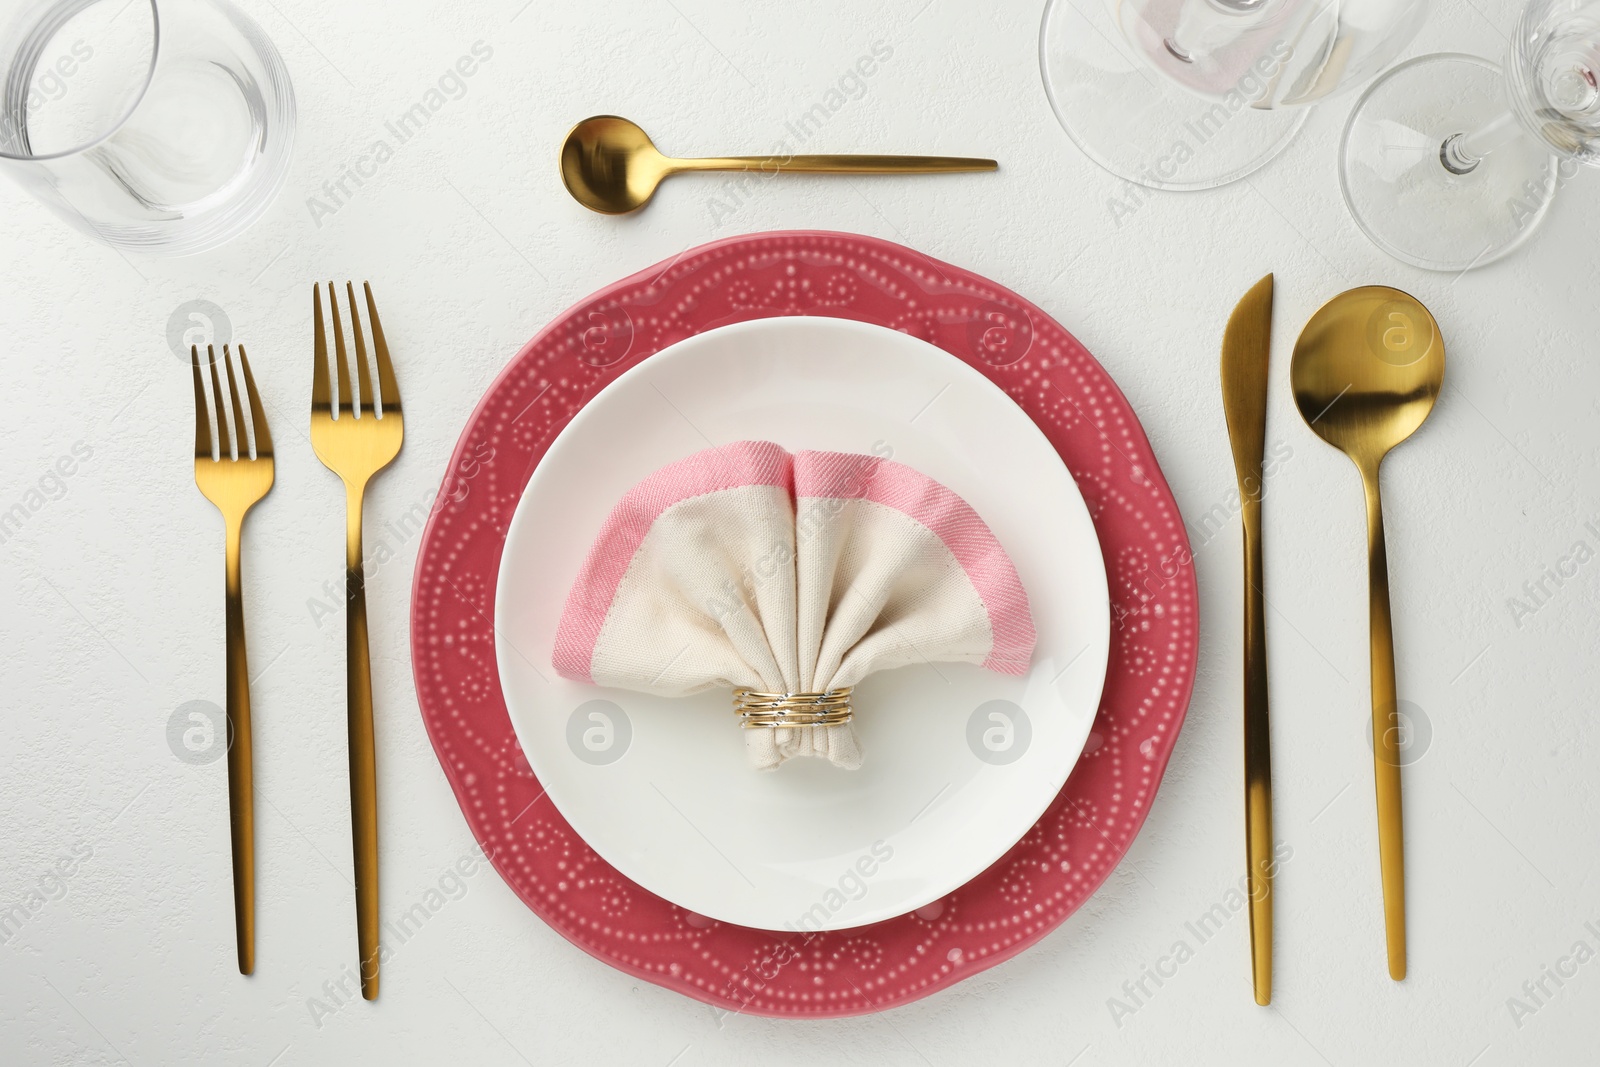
x=609, y=165
x=1366, y=371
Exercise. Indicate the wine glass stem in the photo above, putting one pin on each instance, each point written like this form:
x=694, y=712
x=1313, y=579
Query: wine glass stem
x=1462, y=152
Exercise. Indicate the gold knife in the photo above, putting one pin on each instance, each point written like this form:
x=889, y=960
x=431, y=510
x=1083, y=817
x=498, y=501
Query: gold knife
x=1246, y=346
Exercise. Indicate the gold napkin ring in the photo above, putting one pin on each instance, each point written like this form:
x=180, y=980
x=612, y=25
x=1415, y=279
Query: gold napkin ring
x=774, y=710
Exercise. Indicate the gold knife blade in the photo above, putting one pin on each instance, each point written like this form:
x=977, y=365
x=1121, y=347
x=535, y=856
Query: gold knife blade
x=1246, y=348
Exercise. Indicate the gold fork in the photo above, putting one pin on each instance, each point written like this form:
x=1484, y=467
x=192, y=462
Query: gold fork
x=233, y=478
x=356, y=439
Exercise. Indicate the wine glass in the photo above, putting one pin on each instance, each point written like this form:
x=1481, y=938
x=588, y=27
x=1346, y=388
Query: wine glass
x=1192, y=94
x=1449, y=164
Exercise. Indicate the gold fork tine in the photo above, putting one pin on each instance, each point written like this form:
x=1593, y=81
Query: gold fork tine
x=321, y=396
x=240, y=438
x=224, y=439
x=346, y=399
x=388, y=389
x=258, y=417
x=361, y=350
x=202, y=417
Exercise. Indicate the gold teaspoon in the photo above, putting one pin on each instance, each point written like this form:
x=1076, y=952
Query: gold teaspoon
x=1366, y=371
x=609, y=165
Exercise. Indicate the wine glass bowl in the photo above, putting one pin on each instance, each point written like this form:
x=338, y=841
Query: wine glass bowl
x=1553, y=75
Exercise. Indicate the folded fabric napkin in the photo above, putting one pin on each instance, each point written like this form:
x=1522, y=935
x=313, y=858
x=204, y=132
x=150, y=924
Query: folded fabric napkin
x=791, y=577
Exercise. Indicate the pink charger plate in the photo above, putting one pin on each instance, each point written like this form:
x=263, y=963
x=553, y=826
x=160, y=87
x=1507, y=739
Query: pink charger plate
x=1047, y=875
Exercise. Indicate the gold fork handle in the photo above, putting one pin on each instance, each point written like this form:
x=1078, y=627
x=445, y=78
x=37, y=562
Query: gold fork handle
x=1257, y=759
x=846, y=164
x=241, y=786
x=1385, y=733
x=363, y=755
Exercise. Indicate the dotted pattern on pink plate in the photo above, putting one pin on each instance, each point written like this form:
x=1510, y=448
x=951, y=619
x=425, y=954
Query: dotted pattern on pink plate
x=1056, y=865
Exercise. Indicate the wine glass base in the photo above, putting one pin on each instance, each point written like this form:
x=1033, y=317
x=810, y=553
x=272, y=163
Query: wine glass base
x=1403, y=196
x=1143, y=128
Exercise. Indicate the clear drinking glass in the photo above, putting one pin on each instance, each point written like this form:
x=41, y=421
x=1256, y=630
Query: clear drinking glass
x=1449, y=164
x=160, y=126
x=1192, y=94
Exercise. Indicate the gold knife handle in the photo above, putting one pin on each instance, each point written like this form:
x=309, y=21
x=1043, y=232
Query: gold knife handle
x=1257, y=756
x=241, y=785
x=1385, y=732
x=363, y=754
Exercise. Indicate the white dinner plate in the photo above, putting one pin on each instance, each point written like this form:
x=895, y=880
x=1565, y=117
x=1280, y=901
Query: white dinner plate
x=958, y=761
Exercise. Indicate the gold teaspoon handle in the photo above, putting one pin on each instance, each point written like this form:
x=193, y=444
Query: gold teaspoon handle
x=1385, y=732
x=846, y=164
x=1257, y=758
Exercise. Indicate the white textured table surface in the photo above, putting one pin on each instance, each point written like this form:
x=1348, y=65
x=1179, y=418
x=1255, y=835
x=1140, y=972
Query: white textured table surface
x=113, y=613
